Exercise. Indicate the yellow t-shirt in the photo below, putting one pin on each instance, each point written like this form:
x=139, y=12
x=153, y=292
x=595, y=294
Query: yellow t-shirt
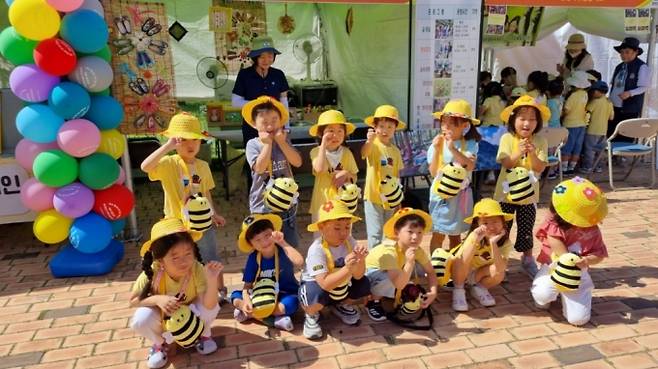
x=601, y=112
x=323, y=186
x=494, y=105
x=482, y=255
x=506, y=149
x=195, y=287
x=385, y=257
x=574, y=109
x=383, y=160
x=170, y=173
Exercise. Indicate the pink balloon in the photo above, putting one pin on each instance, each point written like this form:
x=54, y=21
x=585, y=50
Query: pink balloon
x=65, y=5
x=27, y=150
x=79, y=138
x=122, y=176
x=36, y=195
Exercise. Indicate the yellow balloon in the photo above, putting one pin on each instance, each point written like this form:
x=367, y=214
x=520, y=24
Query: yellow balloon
x=112, y=143
x=51, y=226
x=34, y=19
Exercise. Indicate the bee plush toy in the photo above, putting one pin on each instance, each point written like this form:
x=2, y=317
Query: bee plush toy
x=441, y=262
x=349, y=194
x=263, y=298
x=282, y=194
x=566, y=274
x=452, y=179
x=183, y=326
x=391, y=192
x=410, y=300
x=197, y=213
x=518, y=184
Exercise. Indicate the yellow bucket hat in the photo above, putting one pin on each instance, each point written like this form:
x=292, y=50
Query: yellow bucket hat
x=249, y=107
x=187, y=126
x=457, y=108
x=488, y=208
x=165, y=227
x=332, y=210
x=243, y=244
x=389, y=226
x=386, y=111
x=331, y=117
x=579, y=202
x=526, y=100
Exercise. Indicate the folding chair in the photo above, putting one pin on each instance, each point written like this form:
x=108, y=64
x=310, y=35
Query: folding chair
x=555, y=137
x=643, y=131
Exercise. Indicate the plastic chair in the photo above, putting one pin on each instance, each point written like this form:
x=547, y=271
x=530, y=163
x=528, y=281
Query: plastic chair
x=643, y=131
x=555, y=137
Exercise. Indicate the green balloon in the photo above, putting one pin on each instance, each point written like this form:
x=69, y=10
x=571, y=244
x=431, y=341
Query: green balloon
x=98, y=171
x=55, y=168
x=105, y=53
x=105, y=92
x=16, y=48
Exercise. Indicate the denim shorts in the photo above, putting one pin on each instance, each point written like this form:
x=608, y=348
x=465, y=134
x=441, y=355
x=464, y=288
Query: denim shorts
x=574, y=144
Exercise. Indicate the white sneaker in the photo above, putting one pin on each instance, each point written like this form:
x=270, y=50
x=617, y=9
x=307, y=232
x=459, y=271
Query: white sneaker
x=206, y=345
x=482, y=295
x=542, y=307
x=459, y=299
x=312, y=329
x=239, y=315
x=348, y=314
x=284, y=323
x=157, y=357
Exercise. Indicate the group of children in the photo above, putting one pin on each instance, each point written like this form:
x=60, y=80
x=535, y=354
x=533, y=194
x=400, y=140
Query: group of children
x=338, y=272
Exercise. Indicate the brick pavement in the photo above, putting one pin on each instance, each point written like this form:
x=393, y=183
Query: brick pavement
x=83, y=322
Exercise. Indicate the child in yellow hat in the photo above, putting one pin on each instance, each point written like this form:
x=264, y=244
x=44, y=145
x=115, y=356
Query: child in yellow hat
x=333, y=163
x=456, y=144
x=522, y=151
x=481, y=260
x=334, y=272
x=270, y=257
x=383, y=159
x=184, y=176
x=393, y=264
x=172, y=276
x=270, y=156
x=577, y=207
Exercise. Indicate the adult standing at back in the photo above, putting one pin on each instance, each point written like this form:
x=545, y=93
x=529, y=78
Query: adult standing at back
x=576, y=57
x=630, y=81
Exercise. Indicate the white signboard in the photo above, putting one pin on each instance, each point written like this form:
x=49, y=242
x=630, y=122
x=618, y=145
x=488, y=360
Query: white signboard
x=446, y=56
x=12, y=177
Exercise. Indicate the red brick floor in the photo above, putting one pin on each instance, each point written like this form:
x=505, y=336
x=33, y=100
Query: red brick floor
x=83, y=322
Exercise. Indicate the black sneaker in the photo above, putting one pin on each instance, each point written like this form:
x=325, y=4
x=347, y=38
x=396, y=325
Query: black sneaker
x=375, y=311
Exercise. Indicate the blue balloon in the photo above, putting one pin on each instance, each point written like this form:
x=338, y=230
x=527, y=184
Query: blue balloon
x=84, y=30
x=9, y=2
x=69, y=100
x=90, y=233
x=106, y=112
x=38, y=123
x=118, y=226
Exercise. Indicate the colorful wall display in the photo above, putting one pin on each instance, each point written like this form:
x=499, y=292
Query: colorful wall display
x=574, y=3
x=511, y=25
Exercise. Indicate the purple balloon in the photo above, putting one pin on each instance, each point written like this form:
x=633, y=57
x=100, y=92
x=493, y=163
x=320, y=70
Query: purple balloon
x=27, y=150
x=36, y=195
x=31, y=84
x=74, y=200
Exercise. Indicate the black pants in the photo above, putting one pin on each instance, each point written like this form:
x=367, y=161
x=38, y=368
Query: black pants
x=620, y=115
x=525, y=220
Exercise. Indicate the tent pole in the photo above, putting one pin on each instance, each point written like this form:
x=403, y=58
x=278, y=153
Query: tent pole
x=133, y=231
x=410, y=66
x=650, y=59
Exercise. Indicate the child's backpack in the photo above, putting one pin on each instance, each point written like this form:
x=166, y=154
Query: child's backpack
x=407, y=309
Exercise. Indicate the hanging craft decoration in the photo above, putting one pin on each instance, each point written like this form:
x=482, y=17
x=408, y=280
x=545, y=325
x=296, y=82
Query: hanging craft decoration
x=142, y=64
x=286, y=22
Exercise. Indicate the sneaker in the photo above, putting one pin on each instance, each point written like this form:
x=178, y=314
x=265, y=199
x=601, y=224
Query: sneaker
x=529, y=266
x=240, y=315
x=482, y=295
x=157, y=357
x=223, y=297
x=284, y=323
x=598, y=169
x=206, y=345
x=375, y=311
x=568, y=172
x=585, y=170
x=348, y=314
x=542, y=307
x=459, y=300
x=312, y=329
x=552, y=175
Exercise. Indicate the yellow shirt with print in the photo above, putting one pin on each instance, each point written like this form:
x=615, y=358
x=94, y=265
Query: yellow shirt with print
x=385, y=257
x=601, y=111
x=170, y=173
x=482, y=255
x=494, y=105
x=383, y=160
x=506, y=149
x=575, y=110
x=323, y=186
x=195, y=287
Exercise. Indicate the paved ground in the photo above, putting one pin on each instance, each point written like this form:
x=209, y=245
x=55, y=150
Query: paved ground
x=83, y=322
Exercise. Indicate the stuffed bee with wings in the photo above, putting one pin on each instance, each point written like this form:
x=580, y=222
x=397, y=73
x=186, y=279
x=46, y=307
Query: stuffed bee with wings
x=450, y=180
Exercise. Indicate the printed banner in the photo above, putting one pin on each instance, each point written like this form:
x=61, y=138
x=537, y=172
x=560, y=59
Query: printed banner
x=447, y=52
x=219, y=19
x=519, y=26
x=142, y=64
x=637, y=21
x=12, y=177
x=575, y=3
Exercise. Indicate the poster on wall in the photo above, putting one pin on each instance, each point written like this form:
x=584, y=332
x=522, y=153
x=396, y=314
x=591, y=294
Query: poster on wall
x=446, y=56
x=511, y=25
x=247, y=22
x=142, y=64
x=637, y=21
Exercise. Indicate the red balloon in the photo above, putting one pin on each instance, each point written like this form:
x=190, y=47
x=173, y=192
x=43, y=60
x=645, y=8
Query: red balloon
x=114, y=203
x=55, y=56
